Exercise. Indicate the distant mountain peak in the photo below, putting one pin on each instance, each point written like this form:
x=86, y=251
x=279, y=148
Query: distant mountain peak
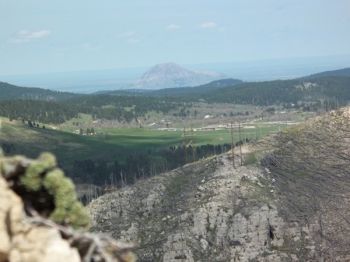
x=168, y=70
x=169, y=75
x=170, y=65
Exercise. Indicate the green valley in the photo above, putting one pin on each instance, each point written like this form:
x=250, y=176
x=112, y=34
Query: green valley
x=152, y=150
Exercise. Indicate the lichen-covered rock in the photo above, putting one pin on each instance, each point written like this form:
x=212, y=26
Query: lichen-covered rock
x=21, y=241
x=42, y=179
x=29, y=188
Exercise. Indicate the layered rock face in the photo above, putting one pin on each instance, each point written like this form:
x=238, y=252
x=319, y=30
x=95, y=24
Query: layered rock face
x=27, y=233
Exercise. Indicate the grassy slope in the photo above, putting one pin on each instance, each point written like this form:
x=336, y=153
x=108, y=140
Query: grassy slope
x=111, y=144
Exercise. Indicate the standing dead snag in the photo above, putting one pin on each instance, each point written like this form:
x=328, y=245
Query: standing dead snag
x=240, y=142
x=232, y=147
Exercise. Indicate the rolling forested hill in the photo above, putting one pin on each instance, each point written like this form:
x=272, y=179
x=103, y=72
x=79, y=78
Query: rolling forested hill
x=188, y=91
x=340, y=72
x=330, y=87
x=327, y=90
x=315, y=90
x=177, y=91
x=10, y=92
x=120, y=108
x=309, y=91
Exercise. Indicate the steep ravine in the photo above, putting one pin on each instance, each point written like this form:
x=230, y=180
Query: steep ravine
x=205, y=211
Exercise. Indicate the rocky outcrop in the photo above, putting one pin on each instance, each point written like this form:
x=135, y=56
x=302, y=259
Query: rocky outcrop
x=206, y=211
x=26, y=233
x=21, y=241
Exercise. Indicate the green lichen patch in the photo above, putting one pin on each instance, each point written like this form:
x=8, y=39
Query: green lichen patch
x=67, y=208
x=44, y=188
x=33, y=175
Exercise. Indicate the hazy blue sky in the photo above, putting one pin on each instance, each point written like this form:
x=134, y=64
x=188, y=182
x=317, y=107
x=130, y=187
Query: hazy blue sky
x=61, y=35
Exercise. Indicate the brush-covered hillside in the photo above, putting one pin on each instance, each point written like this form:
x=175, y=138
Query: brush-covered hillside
x=286, y=199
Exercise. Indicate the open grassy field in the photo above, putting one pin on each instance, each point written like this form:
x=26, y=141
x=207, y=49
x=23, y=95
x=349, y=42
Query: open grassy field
x=110, y=144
